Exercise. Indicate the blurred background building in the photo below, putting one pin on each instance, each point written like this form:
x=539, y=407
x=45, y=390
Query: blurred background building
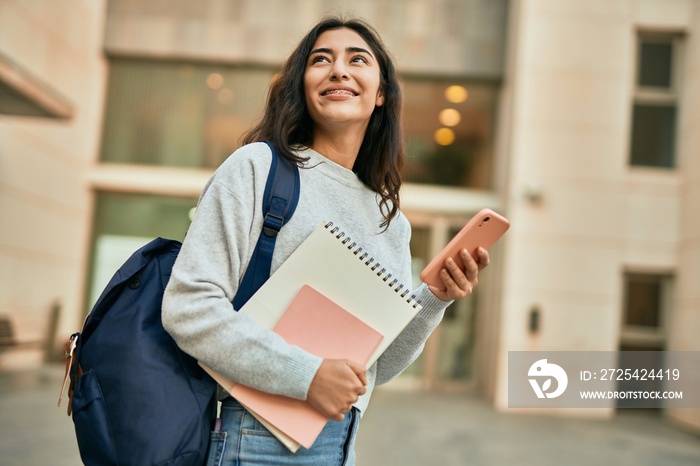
x=573, y=118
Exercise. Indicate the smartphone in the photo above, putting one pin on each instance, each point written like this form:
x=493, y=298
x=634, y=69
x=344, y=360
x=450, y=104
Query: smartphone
x=483, y=230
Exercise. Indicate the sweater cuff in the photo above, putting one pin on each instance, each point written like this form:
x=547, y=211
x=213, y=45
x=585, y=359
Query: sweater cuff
x=300, y=370
x=433, y=307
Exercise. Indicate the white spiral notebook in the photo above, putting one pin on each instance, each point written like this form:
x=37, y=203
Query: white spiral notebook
x=334, y=265
x=331, y=263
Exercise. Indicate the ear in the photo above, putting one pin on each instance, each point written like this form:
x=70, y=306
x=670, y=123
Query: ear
x=380, y=98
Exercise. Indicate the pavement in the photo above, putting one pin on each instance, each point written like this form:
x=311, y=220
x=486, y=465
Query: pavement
x=404, y=428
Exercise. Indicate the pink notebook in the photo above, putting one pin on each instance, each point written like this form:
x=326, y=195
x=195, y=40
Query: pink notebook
x=321, y=327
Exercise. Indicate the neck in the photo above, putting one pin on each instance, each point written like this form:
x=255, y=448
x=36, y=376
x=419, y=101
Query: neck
x=340, y=148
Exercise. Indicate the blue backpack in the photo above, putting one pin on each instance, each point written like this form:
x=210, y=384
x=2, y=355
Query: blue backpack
x=136, y=398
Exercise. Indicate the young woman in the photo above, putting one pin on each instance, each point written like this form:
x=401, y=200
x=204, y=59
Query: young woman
x=335, y=111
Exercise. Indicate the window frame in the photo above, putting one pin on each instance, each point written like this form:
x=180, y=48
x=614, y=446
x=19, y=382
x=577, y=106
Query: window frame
x=657, y=96
x=638, y=336
x=201, y=158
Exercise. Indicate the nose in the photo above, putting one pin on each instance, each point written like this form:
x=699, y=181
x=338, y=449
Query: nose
x=338, y=70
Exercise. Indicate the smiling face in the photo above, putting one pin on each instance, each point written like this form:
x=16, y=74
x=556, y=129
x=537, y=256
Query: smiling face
x=342, y=82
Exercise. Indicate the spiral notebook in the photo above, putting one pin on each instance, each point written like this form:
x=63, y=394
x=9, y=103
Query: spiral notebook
x=336, y=267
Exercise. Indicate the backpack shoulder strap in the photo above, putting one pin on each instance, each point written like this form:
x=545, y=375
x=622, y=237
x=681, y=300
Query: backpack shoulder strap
x=279, y=202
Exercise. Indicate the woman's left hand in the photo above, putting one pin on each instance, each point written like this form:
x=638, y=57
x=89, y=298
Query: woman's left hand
x=460, y=284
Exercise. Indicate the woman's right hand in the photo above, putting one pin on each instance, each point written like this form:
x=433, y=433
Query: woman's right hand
x=337, y=385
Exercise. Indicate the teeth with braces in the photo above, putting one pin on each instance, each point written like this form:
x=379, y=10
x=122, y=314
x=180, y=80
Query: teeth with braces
x=339, y=91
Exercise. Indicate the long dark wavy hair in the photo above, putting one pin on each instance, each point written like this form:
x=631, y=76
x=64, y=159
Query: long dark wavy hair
x=287, y=123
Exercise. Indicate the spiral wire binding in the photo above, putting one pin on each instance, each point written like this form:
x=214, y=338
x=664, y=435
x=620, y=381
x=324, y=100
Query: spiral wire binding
x=373, y=266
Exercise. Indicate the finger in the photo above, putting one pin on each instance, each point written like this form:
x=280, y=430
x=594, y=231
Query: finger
x=455, y=271
x=359, y=371
x=471, y=268
x=454, y=289
x=484, y=258
x=457, y=275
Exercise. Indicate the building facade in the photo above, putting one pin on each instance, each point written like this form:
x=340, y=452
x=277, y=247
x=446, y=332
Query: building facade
x=598, y=116
x=574, y=119
x=52, y=80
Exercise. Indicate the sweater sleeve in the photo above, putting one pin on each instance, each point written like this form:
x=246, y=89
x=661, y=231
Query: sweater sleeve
x=406, y=348
x=197, y=309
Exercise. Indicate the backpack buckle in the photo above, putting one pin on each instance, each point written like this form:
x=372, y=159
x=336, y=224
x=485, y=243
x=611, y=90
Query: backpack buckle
x=272, y=224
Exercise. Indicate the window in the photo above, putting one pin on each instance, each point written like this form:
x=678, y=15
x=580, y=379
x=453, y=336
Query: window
x=179, y=114
x=125, y=222
x=643, y=301
x=646, y=302
x=190, y=114
x=654, y=109
x=449, y=129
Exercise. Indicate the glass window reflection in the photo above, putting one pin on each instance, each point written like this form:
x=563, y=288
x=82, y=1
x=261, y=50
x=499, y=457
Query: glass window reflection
x=449, y=128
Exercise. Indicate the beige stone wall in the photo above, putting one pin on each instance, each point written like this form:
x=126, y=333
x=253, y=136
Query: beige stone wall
x=569, y=87
x=462, y=37
x=44, y=200
x=685, y=325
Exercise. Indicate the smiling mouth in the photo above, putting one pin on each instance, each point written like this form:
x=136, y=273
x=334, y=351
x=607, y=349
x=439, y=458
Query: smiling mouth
x=339, y=92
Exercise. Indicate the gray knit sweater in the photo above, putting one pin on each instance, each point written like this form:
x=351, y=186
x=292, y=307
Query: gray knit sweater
x=197, y=309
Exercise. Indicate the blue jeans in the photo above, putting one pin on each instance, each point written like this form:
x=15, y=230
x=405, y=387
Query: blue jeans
x=243, y=441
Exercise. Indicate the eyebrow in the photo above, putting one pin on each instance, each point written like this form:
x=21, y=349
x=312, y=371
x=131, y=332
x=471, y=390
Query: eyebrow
x=348, y=49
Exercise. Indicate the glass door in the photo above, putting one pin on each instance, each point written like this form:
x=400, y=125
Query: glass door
x=447, y=363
